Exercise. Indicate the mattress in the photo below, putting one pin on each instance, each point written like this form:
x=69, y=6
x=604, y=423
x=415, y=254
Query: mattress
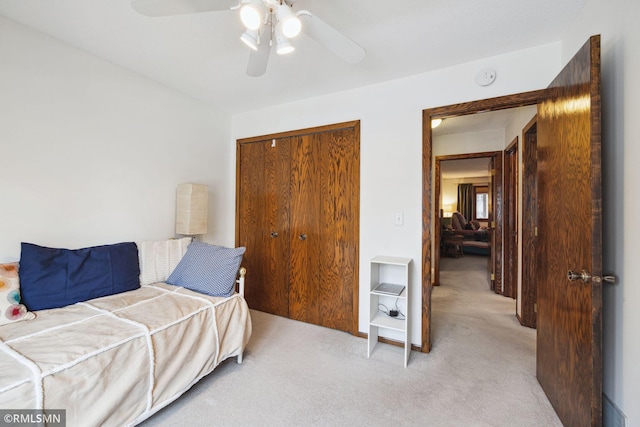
x=116, y=360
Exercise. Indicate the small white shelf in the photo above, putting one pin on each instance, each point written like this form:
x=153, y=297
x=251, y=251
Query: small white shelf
x=396, y=270
x=383, y=321
x=403, y=294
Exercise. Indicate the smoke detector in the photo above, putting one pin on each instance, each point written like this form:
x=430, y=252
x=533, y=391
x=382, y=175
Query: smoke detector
x=486, y=77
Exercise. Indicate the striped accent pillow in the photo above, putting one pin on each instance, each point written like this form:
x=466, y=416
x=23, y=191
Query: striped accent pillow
x=159, y=258
x=208, y=269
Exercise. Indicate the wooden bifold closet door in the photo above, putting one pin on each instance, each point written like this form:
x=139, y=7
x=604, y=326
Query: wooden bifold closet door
x=298, y=216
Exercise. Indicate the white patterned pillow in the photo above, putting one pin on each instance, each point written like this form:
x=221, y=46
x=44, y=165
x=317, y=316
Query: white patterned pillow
x=158, y=259
x=11, y=309
x=208, y=269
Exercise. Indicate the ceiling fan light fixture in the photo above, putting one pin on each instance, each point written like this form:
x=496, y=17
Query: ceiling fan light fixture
x=268, y=25
x=290, y=23
x=283, y=45
x=251, y=14
x=250, y=38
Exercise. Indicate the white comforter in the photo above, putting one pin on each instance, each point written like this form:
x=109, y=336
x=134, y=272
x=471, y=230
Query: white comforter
x=118, y=359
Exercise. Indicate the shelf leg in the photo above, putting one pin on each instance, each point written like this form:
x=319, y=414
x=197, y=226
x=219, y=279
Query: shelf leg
x=372, y=340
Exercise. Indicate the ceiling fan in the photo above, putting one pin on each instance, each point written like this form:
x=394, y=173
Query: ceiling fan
x=268, y=23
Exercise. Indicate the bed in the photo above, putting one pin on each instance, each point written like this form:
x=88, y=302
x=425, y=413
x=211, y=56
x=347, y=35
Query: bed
x=119, y=358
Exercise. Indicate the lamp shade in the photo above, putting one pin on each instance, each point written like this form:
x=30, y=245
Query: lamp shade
x=191, y=209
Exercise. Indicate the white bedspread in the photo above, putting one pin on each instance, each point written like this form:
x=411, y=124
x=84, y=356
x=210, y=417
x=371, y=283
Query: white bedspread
x=118, y=359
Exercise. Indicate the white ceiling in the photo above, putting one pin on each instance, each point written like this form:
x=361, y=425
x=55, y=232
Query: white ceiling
x=491, y=120
x=465, y=168
x=201, y=54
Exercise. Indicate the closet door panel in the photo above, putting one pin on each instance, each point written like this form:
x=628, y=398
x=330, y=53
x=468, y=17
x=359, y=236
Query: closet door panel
x=277, y=209
x=305, y=233
x=263, y=223
x=339, y=224
x=250, y=215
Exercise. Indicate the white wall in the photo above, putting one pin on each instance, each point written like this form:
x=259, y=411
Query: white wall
x=391, y=141
x=92, y=153
x=617, y=23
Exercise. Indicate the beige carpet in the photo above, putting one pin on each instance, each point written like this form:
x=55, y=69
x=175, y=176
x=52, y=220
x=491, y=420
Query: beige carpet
x=480, y=372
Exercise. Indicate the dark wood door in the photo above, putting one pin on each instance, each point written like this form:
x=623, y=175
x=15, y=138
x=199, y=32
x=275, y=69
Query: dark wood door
x=491, y=259
x=529, y=224
x=305, y=239
x=495, y=226
x=569, y=345
x=263, y=222
x=510, y=277
x=324, y=231
x=338, y=301
x=498, y=220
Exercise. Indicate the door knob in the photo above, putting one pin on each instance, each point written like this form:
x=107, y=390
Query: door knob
x=607, y=279
x=303, y=237
x=274, y=234
x=584, y=276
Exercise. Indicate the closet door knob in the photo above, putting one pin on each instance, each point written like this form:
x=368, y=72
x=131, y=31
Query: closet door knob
x=274, y=234
x=303, y=237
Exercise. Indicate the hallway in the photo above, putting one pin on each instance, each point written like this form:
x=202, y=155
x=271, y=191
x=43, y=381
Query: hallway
x=480, y=328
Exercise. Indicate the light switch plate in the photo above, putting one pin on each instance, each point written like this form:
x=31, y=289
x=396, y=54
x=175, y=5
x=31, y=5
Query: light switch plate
x=399, y=218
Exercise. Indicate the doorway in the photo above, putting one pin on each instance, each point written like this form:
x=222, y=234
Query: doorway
x=474, y=170
x=468, y=136
x=429, y=235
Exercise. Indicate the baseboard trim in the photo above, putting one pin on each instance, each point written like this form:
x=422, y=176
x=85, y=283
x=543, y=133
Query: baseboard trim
x=612, y=416
x=519, y=319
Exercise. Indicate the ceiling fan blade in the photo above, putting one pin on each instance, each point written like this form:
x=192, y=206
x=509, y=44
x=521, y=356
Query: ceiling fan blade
x=155, y=8
x=331, y=38
x=259, y=59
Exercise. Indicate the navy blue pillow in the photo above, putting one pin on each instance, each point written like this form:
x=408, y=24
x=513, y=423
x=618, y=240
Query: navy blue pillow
x=52, y=278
